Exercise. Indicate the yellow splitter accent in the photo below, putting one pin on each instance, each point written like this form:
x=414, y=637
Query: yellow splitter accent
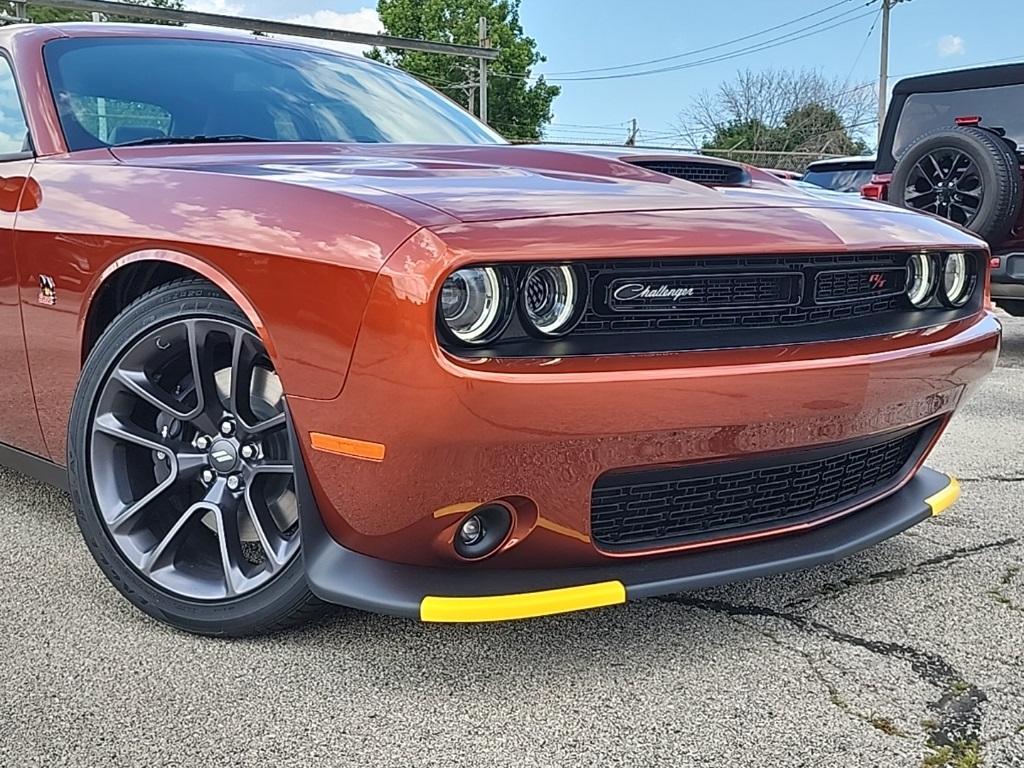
x=944, y=499
x=522, y=606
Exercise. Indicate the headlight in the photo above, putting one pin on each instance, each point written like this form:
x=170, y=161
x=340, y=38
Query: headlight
x=550, y=298
x=957, y=280
x=921, y=281
x=473, y=304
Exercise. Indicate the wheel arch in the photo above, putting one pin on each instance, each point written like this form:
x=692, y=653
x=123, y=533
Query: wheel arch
x=132, y=275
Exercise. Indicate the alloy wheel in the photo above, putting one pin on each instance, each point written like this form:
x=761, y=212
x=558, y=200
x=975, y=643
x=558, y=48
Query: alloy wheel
x=191, y=466
x=946, y=182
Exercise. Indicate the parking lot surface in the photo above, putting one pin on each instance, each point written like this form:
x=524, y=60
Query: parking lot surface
x=910, y=654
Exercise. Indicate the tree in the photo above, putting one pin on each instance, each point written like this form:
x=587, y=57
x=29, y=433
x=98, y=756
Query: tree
x=42, y=14
x=781, y=111
x=516, y=107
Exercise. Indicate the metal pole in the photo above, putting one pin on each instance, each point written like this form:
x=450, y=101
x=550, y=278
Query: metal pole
x=484, y=43
x=21, y=10
x=152, y=13
x=883, y=67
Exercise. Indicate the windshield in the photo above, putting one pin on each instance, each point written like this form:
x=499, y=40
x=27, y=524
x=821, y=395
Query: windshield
x=999, y=107
x=849, y=180
x=132, y=90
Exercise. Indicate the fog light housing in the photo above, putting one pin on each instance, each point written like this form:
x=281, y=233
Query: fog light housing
x=482, y=531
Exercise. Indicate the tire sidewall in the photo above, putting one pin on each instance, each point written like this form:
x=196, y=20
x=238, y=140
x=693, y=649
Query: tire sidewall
x=257, y=611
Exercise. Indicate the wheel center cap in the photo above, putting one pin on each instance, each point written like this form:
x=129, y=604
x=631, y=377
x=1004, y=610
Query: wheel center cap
x=223, y=456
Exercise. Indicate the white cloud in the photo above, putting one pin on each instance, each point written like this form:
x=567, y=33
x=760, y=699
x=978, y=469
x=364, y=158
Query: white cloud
x=363, y=20
x=225, y=7
x=950, y=45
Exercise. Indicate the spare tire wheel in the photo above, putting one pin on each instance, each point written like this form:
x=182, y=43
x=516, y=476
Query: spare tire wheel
x=965, y=174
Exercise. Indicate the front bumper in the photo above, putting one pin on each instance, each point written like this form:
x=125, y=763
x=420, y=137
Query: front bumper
x=339, y=575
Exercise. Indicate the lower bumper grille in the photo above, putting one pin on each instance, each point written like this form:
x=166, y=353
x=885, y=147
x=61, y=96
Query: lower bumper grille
x=715, y=500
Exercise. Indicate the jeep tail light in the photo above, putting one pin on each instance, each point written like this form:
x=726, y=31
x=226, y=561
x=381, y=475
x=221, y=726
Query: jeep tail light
x=968, y=120
x=873, y=191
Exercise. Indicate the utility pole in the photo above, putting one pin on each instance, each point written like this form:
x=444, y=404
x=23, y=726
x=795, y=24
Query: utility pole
x=484, y=42
x=634, y=130
x=883, y=65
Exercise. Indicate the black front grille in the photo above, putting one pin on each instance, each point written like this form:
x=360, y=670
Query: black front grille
x=755, y=282
x=843, y=285
x=688, y=304
x=714, y=500
x=709, y=174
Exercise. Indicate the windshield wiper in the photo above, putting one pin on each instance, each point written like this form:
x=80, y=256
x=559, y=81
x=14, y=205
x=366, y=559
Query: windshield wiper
x=200, y=139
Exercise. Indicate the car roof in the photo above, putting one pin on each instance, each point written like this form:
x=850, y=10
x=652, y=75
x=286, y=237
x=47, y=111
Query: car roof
x=962, y=79
x=866, y=161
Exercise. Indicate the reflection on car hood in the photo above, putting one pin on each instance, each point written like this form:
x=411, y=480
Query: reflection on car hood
x=476, y=183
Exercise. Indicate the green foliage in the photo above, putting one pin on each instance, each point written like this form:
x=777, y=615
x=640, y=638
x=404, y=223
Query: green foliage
x=811, y=129
x=517, y=108
x=42, y=14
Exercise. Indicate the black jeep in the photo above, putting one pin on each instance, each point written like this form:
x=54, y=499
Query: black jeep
x=953, y=145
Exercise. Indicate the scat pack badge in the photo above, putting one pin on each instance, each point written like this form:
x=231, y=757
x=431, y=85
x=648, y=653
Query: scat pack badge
x=47, y=291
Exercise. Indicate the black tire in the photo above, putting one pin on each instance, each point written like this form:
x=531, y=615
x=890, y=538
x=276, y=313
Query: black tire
x=282, y=601
x=1014, y=307
x=997, y=173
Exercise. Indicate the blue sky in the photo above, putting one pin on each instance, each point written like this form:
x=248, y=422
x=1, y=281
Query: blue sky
x=926, y=35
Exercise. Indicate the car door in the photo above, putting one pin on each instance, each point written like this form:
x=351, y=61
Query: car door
x=19, y=423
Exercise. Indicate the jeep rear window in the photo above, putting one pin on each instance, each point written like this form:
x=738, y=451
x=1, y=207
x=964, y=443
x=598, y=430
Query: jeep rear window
x=999, y=107
x=112, y=91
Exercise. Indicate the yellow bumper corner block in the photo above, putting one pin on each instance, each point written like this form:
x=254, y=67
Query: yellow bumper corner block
x=944, y=499
x=525, y=605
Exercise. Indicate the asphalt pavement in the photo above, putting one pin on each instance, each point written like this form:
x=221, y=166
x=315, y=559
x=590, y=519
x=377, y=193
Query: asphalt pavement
x=910, y=654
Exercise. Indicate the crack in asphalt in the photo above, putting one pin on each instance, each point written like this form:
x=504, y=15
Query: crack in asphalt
x=992, y=479
x=835, y=588
x=958, y=708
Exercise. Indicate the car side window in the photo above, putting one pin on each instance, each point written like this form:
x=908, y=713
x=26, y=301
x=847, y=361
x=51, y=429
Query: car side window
x=14, y=138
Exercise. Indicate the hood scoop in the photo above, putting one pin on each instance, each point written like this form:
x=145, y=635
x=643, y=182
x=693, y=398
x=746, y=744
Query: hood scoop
x=708, y=174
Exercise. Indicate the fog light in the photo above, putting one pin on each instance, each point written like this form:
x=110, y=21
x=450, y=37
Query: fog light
x=483, y=531
x=471, y=531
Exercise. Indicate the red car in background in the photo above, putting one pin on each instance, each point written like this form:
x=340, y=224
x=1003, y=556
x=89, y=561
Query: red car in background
x=295, y=329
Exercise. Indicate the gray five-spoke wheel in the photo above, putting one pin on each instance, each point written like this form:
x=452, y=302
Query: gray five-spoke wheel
x=946, y=182
x=190, y=463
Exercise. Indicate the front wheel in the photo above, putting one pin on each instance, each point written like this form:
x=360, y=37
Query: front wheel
x=181, y=468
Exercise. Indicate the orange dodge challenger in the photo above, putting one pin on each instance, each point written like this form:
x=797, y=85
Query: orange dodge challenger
x=293, y=329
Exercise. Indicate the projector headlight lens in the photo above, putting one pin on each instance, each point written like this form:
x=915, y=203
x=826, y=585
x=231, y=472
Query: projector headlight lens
x=957, y=280
x=472, y=304
x=921, y=284
x=550, y=299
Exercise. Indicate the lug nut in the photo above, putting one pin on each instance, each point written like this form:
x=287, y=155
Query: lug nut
x=207, y=476
x=249, y=452
x=202, y=442
x=227, y=427
x=234, y=482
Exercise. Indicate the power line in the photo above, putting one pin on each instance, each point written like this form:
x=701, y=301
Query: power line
x=790, y=37
x=708, y=48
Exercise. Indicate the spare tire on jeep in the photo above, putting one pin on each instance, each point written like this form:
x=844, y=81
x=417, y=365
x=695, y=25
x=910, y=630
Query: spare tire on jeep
x=966, y=174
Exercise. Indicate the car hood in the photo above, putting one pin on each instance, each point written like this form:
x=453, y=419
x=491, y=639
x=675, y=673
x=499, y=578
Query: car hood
x=475, y=183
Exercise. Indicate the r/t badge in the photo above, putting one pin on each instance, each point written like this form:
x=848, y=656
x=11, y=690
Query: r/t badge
x=47, y=291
